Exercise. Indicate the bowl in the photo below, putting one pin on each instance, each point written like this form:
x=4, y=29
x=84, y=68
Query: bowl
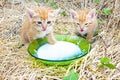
x=83, y=44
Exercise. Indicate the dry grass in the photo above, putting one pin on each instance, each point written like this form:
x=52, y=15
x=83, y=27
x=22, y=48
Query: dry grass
x=17, y=64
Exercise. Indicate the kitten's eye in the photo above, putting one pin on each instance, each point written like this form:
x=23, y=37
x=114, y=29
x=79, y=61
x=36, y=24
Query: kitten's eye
x=39, y=22
x=48, y=22
x=86, y=23
x=78, y=23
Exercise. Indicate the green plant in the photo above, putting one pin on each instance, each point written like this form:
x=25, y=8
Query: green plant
x=63, y=13
x=36, y=0
x=53, y=4
x=106, y=62
x=45, y=1
x=98, y=1
x=106, y=11
x=27, y=0
x=72, y=75
x=99, y=21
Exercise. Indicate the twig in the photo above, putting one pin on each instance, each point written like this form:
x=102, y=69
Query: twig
x=2, y=3
x=105, y=53
x=102, y=4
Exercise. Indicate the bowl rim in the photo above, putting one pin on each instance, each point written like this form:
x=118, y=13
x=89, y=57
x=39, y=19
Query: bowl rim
x=61, y=60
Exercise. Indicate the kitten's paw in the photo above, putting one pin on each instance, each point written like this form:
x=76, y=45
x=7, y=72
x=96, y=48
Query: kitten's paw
x=92, y=40
x=20, y=46
x=53, y=42
x=23, y=45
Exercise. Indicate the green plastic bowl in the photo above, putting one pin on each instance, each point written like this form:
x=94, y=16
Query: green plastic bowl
x=83, y=44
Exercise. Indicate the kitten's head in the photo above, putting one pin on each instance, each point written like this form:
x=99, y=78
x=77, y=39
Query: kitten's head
x=42, y=18
x=84, y=19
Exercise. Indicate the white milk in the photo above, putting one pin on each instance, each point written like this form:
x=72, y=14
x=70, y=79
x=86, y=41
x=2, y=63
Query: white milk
x=60, y=51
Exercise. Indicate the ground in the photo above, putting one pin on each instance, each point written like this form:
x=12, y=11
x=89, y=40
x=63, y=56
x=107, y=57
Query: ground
x=17, y=64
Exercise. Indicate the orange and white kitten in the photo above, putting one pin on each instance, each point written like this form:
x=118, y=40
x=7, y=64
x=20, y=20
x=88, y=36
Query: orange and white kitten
x=39, y=23
x=85, y=22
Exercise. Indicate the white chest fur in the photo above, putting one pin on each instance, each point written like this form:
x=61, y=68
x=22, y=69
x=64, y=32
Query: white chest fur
x=43, y=33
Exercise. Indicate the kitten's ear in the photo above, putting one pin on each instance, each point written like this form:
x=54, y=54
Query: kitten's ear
x=73, y=14
x=30, y=13
x=92, y=14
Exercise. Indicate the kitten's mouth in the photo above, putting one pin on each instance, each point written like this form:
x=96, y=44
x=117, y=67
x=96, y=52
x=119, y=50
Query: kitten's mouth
x=44, y=29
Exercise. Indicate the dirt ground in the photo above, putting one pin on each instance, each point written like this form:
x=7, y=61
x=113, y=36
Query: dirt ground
x=17, y=64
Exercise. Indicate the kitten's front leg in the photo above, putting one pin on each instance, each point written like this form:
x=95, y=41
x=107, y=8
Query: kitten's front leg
x=24, y=40
x=89, y=36
x=24, y=37
x=30, y=39
x=51, y=38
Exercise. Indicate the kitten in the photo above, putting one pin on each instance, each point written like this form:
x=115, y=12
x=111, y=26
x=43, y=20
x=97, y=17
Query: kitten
x=39, y=23
x=85, y=22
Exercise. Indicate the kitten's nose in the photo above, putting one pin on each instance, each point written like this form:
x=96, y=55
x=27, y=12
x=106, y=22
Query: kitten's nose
x=81, y=30
x=44, y=27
